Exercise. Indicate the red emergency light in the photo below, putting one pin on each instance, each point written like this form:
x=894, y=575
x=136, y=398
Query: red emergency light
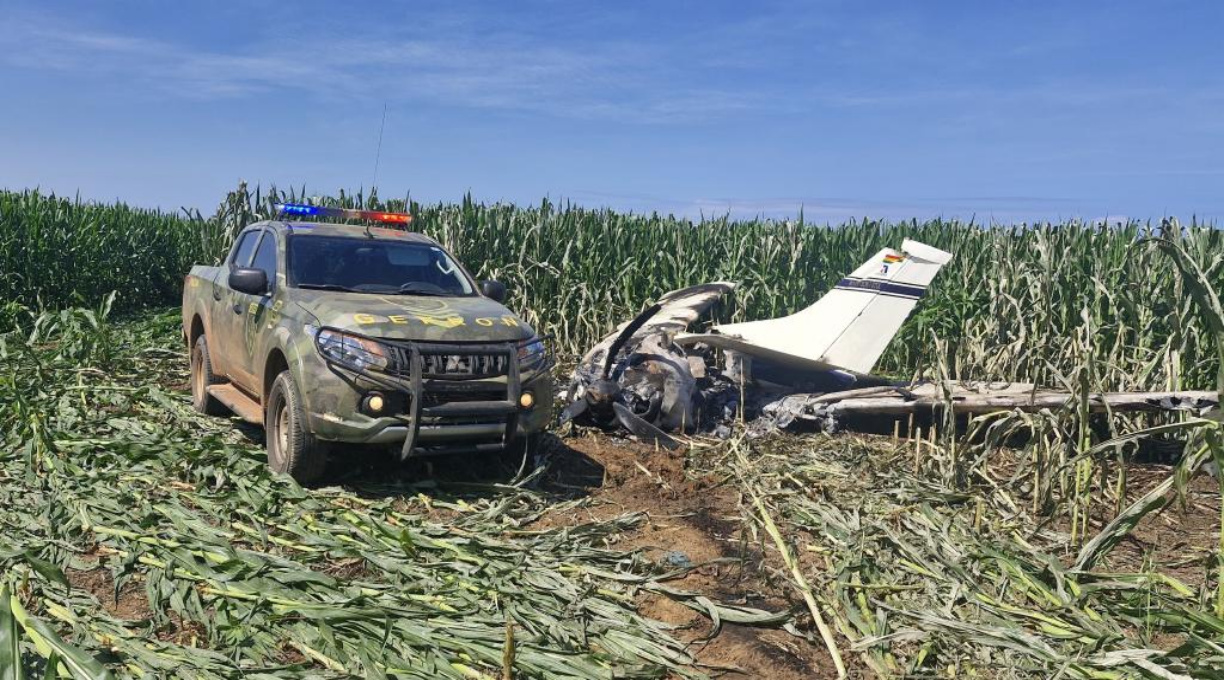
x=342, y=213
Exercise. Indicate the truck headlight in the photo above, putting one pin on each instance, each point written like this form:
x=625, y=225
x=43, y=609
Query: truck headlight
x=352, y=351
x=531, y=354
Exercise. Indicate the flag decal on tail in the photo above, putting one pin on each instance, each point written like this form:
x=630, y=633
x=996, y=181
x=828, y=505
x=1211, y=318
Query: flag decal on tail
x=889, y=260
x=902, y=290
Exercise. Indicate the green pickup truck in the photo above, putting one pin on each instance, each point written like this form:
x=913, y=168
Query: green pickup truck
x=325, y=333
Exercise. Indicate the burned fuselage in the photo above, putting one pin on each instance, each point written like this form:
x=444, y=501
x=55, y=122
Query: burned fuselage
x=652, y=377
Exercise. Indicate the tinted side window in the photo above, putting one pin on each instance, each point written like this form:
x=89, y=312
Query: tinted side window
x=242, y=252
x=265, y=257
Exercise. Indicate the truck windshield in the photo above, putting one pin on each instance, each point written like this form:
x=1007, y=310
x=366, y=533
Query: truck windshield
x=364, y=265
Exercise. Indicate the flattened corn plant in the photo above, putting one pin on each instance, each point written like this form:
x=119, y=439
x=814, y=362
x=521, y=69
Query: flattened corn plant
x=229, y=572
x=920, y=579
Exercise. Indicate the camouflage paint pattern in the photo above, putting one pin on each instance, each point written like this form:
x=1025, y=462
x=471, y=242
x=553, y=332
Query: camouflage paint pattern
x=248, y=335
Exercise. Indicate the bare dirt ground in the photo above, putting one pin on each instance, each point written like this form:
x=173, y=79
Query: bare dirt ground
x=129, y=603
x=695, y=519
x=1180, y=539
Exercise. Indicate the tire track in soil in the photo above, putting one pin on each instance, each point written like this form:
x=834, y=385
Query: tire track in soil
x=700, y=518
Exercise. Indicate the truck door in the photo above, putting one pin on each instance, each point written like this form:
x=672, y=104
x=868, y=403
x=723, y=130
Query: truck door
x=228, y=310
x=259, y=312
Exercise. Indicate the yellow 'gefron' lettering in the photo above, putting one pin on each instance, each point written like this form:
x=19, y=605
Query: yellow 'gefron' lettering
x=448, y=322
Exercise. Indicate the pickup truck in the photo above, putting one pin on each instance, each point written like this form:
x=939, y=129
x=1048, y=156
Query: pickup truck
x=327, y=332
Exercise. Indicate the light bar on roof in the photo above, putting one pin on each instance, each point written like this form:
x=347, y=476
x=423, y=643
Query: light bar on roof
x=303, y=210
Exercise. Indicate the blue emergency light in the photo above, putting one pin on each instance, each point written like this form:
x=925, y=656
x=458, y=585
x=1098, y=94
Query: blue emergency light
x=342, y=213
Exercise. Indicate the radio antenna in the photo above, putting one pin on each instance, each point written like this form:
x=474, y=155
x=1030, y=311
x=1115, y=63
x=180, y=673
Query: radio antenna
x=378, y=153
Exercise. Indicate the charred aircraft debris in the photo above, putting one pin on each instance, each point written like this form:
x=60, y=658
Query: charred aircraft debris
x=654, y=378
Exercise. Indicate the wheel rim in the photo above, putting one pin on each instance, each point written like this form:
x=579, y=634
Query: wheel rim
x=282, y=430
x=197, y=378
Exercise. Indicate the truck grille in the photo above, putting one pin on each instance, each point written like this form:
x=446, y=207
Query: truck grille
x=449, y=365
x=437, y=398
x=465, y=365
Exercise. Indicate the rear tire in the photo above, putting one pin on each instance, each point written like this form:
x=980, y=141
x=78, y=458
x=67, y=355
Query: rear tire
x=201, y=377
x=292, y=447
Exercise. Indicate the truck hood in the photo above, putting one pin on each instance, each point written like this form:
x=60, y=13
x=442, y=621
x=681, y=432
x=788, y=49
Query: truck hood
x=412, y=317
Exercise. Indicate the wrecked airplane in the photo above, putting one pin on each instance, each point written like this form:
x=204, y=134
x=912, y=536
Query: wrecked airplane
x=651, y=377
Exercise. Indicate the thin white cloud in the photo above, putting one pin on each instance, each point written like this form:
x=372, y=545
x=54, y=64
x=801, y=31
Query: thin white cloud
x=613, y=81
x=833, y=210
x=1063, y=94
x=985, y=209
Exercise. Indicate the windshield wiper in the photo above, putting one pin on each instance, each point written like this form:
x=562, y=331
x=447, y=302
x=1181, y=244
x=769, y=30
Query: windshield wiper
x=329, y=286
x=409, y=289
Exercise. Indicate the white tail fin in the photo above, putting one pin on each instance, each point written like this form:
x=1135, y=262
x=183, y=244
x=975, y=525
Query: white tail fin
x=852, y=324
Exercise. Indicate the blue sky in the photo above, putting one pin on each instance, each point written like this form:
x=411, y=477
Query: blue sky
x=1003, y=111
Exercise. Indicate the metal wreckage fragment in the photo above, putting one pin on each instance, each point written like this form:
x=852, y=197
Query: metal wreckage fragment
x=639, y=379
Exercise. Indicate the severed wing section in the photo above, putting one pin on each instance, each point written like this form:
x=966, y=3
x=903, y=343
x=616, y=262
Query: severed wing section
x=850, y=326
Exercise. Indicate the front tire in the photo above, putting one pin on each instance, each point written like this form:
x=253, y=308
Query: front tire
x=541, y=446
x=201, y=377
x=292, y=447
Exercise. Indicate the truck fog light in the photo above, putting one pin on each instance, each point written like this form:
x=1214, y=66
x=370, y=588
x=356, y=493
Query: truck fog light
x=527, y=400
x=374, y=403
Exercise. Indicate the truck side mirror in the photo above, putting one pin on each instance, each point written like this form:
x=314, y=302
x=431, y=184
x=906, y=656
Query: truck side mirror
x=250, y=281
x=494, y=290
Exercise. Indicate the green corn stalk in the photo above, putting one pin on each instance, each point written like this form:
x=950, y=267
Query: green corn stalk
x=1008, y=306
x=1212, y=313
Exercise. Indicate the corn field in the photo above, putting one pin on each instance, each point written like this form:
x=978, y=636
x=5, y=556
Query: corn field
x=1016, y=303
x=976, y=548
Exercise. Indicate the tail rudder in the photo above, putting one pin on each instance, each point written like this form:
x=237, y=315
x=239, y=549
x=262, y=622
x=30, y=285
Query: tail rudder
x=852, y=324
x=878, y=297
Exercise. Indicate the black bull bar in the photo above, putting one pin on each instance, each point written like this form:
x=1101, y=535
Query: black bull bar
x=417, y=383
